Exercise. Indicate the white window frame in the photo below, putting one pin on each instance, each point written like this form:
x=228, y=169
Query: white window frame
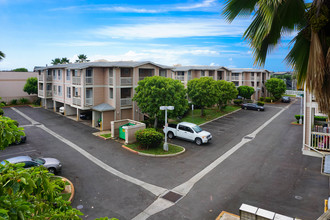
x=110, y=94
x=68, y=92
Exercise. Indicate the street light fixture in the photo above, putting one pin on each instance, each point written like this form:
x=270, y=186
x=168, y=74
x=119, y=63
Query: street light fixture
x=165, y=146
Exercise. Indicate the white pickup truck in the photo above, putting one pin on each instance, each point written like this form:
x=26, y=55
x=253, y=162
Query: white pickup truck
x=188, y=131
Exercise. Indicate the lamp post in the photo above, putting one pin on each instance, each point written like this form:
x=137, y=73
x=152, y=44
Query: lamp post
x=165, y=146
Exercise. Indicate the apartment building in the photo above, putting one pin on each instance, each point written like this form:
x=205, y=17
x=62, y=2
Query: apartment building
x=105, y=89
x=240, y=77
x=316, y=134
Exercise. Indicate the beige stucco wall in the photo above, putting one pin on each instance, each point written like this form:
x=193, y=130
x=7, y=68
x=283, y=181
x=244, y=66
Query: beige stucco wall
x=12, y=84
x=106, y=120
x=126, y=114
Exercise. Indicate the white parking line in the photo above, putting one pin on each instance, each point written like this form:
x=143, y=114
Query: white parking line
x=156, y=190
x=18, y=153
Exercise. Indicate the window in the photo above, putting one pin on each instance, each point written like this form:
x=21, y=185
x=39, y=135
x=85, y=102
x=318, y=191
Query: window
x=68, y=74
x=202, y=73
x=236, y=83
x=258, y=84
x=181, y=127
x=162, y=73
x=54, y=74
x=76, y=92
x=189, y=75
x=111, y=93
x=75, y=72
x=59, y=73
x=68, y=92
x=89, y=72
x=59, y=90
x=252, y=74
x=252, y=84
x=54, y=90
x=110, y=72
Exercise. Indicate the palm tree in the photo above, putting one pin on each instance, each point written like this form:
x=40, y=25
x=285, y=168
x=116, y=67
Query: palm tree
x=2, y=55
x=310, y=53
x=82, y=58
x=56, y=61
x=65, y=60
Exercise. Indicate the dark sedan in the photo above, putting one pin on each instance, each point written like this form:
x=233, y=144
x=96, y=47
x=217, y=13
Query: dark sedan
x=286, y=99
x=252, y=106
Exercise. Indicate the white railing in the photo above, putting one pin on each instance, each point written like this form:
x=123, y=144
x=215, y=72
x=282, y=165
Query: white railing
x=49, y=78
x=48, y=93
x=126, y=81
x=258, y=78
x=252, y=78
x=76, y=101
x=41, y=93
x=126, y=102
x=110, y=80
x=181, y=78
x=41, y=78
x=89, y=80
x=321, y=141
x=294, y=92
x=76, y=80
x=88, y=101
x=234, y=77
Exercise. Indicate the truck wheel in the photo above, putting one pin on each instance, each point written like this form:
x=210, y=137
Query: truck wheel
x=198, y=141
x=170, y=135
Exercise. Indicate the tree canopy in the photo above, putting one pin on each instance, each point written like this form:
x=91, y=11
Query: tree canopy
x=9, y=132
x=82, y=58
x=62, y=60
x=310, y=53
x=276, y=87
x=2, y=55
x=156, y=91
x=245, y=91
x=226, y=91
x=31, y=85
x=202, y=92
x=22, y=69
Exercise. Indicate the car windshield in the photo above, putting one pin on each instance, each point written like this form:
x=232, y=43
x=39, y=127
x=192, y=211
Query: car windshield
x=39, y=160
x=197, y=129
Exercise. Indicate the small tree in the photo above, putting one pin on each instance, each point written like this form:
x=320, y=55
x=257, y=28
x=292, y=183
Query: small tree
x=245, y=91
x=31, y=86
x=276, y=87
x=9, y=132
x=20, y=70
x=156, y=91
x=82, y=58
x=56, y=61
x=226, y=91
x=202, y=92
x=65, y=60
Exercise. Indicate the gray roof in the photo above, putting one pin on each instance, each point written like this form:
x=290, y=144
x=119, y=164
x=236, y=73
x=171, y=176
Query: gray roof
x=101, y=64
x=187, y=68
x=241, y=70
x=103, y=107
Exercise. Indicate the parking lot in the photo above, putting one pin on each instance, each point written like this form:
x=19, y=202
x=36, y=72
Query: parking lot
x=102, y=193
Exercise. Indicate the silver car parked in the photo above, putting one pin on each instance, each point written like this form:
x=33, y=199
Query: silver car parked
x=53, y=165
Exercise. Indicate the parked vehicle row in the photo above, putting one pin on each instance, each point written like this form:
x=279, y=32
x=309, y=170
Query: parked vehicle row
x=188, y=131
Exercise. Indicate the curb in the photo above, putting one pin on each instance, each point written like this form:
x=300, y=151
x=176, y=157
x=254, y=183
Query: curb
x=71, y=185
x=220, y=117
x=154, y=155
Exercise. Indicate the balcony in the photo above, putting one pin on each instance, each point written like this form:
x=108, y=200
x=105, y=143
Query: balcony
x=89, y=81
x=110, y=80
x=252, y=78
x=126, y=102
x=76, y=101
x=49, y=78
x=49, y=93
x=88, y=101
x=126, y=81
x=41, y=93
x=235, y=78
x=41, y=78
x=320, y=141
x=181, y=78
x=76, y=80
x=258, y=78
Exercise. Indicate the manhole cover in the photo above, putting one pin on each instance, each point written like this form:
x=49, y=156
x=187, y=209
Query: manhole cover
x=172, y=196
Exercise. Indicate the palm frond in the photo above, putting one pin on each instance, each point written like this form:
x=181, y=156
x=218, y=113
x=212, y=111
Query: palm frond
x=234, y=8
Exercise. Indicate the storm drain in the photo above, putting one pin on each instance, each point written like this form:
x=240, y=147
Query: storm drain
x=172, y=196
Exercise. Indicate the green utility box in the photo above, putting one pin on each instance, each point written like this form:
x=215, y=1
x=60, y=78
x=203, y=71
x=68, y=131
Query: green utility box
x=122, y=131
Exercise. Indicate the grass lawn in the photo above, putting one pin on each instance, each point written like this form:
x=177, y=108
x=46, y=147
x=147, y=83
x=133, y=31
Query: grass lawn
x=210, y=114
x=172, y=149
x=106, y=135
x=289, y=95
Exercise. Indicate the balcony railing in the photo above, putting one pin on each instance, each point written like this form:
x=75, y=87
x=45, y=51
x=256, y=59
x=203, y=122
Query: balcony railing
x=48, y=93
x=89, y=80
x=258, y=78
x=252, y=78
x=76, y=80
x=234, y=77
x=142, y=77
x=181, y=78
x=321, y=141
x=89, y=102
x=110, y=80
x=126, y=81
x=49, y=78
x=41, y=93
x=126, y=102
x=41, y=78
x=76, y=100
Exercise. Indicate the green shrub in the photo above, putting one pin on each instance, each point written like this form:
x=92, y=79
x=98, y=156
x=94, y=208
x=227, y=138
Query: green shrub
x=149, y=138
x=1, y=111
x=268, y=99
x=320, y=118
x=261, y=99
x=23, y=100
x=273, y=99
x=37, y=101
x=260, y=103
x=3, y=103
x=298, y=117
x=13, y=102
x=238, y=101
x=249, y=101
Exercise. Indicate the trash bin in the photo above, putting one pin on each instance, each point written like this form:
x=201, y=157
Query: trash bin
x=122, y=130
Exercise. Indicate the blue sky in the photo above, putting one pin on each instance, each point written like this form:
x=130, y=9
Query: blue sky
x=188, y=32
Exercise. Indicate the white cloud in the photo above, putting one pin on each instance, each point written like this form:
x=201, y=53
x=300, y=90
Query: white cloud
x=203, y=4
x=174, y=29
x=84, y=44
x=130, y=10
